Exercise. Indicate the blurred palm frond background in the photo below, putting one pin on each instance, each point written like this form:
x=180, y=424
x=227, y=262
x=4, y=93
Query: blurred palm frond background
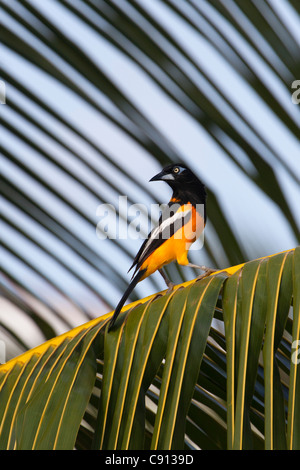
x=100, y=94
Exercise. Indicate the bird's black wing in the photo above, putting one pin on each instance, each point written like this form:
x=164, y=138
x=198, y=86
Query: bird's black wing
x=170, y=221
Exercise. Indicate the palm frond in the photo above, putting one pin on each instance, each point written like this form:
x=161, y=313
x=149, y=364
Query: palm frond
x=210, y=365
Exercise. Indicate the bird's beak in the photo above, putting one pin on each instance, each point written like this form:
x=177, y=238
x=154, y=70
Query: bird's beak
x=162, y=177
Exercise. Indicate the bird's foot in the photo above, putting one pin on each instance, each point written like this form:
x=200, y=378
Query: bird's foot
x=171, y=286
x=207, y=272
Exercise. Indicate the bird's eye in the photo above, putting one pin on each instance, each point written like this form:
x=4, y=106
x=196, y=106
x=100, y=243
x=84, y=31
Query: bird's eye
x=176, y=169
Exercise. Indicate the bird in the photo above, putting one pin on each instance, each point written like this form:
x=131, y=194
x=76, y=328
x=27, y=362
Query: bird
x=180, y=224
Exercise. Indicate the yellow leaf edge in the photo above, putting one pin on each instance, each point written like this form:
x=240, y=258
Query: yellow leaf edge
x=56, y=341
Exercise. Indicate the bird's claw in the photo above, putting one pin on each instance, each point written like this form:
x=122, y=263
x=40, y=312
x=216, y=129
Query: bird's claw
x=207, y=272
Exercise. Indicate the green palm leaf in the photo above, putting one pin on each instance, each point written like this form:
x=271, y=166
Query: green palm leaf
x=181, y=370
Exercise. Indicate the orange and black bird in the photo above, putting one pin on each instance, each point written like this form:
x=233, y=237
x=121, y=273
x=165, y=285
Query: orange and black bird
x=180, y=224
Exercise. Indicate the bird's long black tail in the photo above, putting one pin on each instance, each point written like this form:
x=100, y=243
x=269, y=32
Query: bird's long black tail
x=125, y=296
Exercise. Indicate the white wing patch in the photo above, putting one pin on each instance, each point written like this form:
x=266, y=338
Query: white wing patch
x=166, y=226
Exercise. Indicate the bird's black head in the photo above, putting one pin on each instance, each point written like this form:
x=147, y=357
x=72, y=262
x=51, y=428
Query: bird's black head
x=183, y=181
x=175, y=174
